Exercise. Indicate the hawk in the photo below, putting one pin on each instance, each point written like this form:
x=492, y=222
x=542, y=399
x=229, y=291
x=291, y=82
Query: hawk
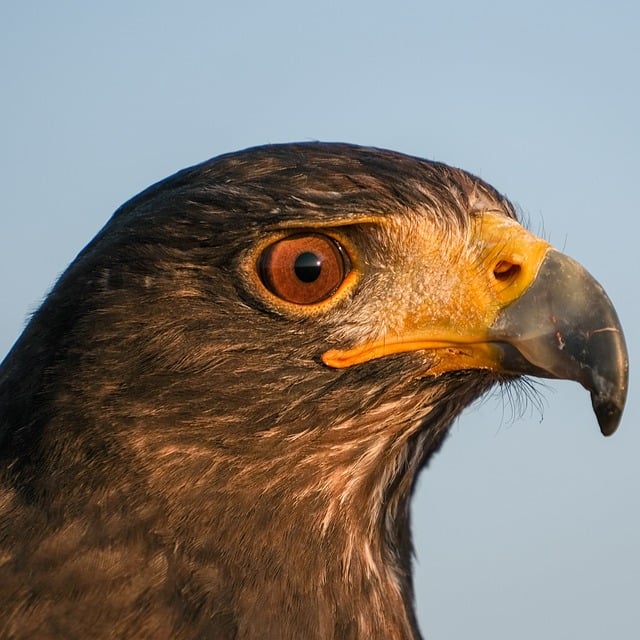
x=213, y=425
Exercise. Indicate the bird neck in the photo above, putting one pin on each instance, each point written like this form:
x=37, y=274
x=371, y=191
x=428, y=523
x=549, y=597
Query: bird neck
x=313, y=542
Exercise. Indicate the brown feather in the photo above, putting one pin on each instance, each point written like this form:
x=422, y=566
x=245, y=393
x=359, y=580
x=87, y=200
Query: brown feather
x=177, y=462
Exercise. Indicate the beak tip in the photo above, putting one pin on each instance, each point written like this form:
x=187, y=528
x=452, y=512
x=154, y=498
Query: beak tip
x=608, y=414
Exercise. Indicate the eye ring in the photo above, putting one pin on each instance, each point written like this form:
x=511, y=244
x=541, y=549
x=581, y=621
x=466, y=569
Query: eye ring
x=303, y=269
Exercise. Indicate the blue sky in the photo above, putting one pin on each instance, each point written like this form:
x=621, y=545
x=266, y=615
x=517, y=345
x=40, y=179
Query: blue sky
x=526, y=526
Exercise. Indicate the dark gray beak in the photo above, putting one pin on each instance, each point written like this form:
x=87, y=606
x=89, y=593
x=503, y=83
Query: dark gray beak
x=564, y=326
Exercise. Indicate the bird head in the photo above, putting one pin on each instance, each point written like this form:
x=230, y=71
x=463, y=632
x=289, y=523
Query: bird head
x=259, y=354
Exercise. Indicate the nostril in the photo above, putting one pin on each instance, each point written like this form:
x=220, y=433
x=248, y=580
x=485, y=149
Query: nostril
x=506, y=270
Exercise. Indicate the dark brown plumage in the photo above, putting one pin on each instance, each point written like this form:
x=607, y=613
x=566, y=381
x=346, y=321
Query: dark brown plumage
x=191, y=447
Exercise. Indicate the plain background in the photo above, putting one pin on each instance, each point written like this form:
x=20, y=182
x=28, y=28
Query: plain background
x=527, y=523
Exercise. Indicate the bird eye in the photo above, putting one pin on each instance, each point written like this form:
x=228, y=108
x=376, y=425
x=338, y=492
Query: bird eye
x=303, y=269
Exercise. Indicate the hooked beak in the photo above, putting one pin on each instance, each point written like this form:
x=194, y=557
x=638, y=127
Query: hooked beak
x=564, y=326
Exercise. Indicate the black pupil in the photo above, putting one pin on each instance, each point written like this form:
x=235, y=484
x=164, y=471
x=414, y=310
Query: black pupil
x=307, y=267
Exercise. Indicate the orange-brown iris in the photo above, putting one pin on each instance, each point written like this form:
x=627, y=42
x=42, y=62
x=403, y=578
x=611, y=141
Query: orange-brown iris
x=303, y=269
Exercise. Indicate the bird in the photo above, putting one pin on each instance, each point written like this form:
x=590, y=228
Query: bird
x=213, y=425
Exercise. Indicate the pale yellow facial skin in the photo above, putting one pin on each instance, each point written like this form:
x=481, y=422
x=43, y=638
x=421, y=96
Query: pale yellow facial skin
x=453, y=293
